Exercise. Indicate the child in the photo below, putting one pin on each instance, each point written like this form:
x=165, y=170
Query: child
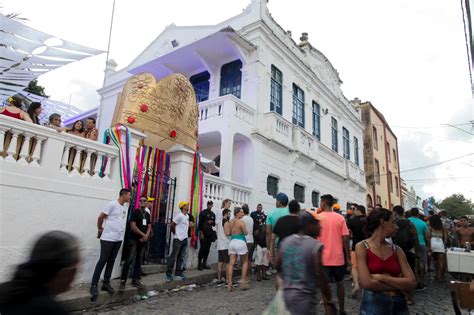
x=261, y=259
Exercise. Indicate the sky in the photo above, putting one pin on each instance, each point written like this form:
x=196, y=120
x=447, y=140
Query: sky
x=406, y=57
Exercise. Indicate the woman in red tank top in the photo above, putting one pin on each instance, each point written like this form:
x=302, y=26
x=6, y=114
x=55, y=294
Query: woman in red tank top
x=383, y=268
x=13, y=109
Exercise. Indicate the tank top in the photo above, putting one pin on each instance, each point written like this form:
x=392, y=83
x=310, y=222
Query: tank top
x=377, y=265
x=6, y=112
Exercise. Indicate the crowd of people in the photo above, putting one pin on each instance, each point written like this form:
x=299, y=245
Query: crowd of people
x=386, y=252
x=15, y=110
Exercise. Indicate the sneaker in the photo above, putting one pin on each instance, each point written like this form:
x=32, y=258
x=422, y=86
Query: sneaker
x=122, y=286
x=268, y=273
x=180, y=275
x=273, y=271
x=137, y=284
x=107, y=287
x=169, y=278
x=420, y=287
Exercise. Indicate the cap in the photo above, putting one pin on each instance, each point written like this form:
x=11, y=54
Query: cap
x=282, y=197
x=209, y=202
x=182, y=204
x=336, y=206
x=150, y=199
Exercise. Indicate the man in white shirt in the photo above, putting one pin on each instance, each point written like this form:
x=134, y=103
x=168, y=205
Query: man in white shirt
x=179, y=227
x=249, y=237
x=110, y=229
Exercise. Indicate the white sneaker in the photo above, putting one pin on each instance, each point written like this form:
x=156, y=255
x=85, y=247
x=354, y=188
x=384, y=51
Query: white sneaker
x=268, y=273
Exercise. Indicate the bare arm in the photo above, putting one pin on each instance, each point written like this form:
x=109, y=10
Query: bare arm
x=272, y=244
x=148, y=231
x=173, y=227
x=227, y=230
x=367, y=281
x=243, y=226
x=347, y=250
x=25, y=117
x=428, y=239
x=407, y=281
x=415, y=236
x=100, y=223
x=268, y=236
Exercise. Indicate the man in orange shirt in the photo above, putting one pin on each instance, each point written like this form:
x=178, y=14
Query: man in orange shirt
x=335, y=238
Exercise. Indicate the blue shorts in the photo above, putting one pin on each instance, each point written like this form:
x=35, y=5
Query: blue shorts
x=335, y=273
x=376, y=303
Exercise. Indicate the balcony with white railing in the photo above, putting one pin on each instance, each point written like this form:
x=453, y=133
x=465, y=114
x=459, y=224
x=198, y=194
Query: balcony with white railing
x=331, y=160
x=224, y=112
x=304, y=142
x=355, y=174
x=277, y=128
x=42, y=153
x=218, y=189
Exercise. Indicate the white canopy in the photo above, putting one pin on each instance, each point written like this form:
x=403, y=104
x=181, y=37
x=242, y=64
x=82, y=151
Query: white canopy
x=26, y=53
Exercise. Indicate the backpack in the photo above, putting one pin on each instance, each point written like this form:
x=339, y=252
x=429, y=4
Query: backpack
x=404, y=237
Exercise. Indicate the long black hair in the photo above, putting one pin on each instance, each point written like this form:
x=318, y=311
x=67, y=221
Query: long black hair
x=31, y=112
x=436, y=223
x=51, y=253
x=375, y=217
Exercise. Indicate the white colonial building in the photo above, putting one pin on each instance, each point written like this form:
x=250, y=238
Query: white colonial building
x=272, y=113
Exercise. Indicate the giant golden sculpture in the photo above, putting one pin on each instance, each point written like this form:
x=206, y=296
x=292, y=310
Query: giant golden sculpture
x=166, y=111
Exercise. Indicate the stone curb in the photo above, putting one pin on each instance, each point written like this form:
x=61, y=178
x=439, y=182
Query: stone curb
x=82, y=302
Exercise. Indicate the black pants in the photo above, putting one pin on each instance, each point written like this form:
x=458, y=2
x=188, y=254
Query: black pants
x=108, y=253
x=135, y=251
x=204, y=248
x=177, y=254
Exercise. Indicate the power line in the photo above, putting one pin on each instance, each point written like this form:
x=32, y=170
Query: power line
x=437, y=179
x=429, y=165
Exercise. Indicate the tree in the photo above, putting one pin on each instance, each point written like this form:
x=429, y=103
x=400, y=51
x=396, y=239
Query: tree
x=457, y=205
x=34, y=88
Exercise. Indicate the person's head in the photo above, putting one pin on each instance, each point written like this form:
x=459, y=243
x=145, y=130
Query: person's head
x=259, y=208
x=50, y=269
x=78, y=126
x=381, y=221
x=378, y=206
x=443, y=213
x=369, y=209
x=464, y=221
x=336, y=207
x=124, y=195
x=307, y=224
x=294, y=207
x=431, y=212
x=281, y=200
x=327, y=202
x=15, y=101
x=90, y=123
x=149, y=202
x=210, y=204
x=238, y=212
x=436, y=223
x=226, y=214
x=184, y=207
x=246, y=209
x=399, y=211
x=226, y=204
x=415, y=212
x=34, y=111
x=352, y=206
x=55, y=119
x=360, y=210
x=408, y=214
x=143, y=202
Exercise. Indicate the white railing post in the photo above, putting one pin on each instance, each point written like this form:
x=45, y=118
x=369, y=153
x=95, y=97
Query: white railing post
x=65, y=160
x=107, y=167
x=3, y=132
x=76, y=165
x=11, y=150
x=25, y=148
x=36, y=155
x=98, y=165
x=87, y=164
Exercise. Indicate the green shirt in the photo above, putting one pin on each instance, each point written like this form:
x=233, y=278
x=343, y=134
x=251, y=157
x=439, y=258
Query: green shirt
x=421, y=228
x=276, y=214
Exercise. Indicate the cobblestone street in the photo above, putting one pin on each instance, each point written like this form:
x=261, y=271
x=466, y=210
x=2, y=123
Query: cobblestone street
x=209, y=299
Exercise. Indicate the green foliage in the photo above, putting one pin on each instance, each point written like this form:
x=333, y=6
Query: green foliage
x=457, y=205
x=34, y=88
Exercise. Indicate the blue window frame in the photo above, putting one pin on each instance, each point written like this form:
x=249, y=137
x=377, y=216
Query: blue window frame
x=276, y=91
x=356, y=151
x=298, y=106
x=200, y=83
x=334, y=134
x=231, y=78
x=345, y=144
x=316, y=120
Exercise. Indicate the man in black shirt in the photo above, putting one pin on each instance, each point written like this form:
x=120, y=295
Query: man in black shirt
x=140, y=232
x=206, y=222
x=357, y=224
x=286, y=225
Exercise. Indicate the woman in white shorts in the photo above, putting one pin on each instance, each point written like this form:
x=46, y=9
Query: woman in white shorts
x=438, y=251
x=236, y=230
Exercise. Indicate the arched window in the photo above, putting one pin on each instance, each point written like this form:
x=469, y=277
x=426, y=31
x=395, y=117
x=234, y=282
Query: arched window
x=231, y=78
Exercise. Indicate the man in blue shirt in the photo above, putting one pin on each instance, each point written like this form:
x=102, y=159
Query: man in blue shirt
x=424, y=244
x=272, y=218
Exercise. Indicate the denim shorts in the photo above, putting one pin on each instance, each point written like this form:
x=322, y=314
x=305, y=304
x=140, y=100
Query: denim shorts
x=376, y=303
